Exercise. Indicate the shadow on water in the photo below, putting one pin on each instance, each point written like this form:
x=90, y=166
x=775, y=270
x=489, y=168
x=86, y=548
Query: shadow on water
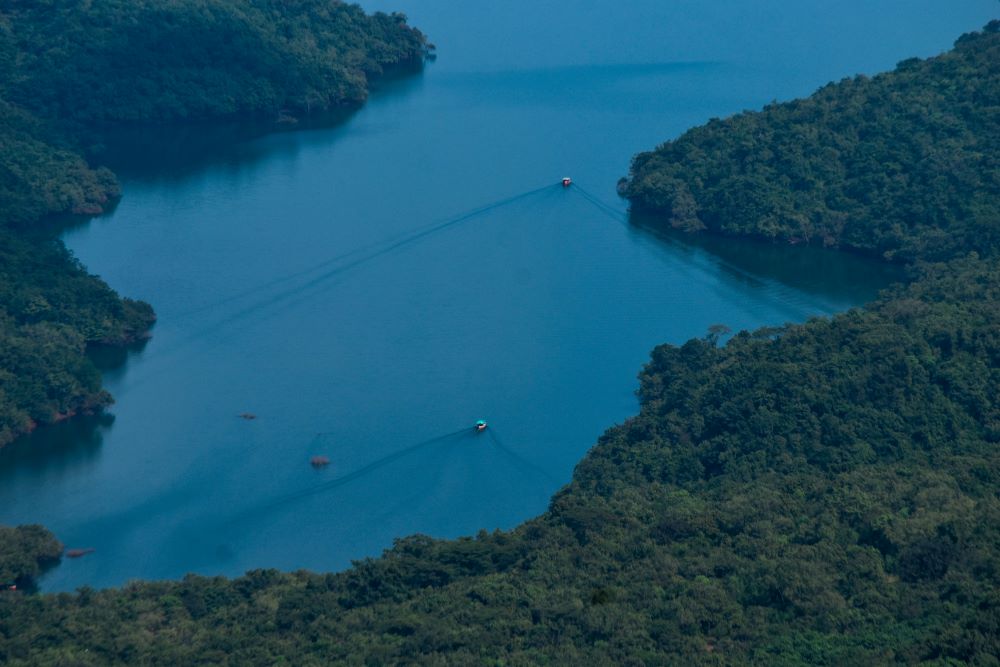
x=112, y=360
x=172, y=153
x=176, y=152
x=74, y=442
x=838, y=276
x=226, y=526
x=56, y=448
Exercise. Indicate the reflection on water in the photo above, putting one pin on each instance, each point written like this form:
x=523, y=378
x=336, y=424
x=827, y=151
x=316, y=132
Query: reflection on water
x=112, y=360
x=830, y=274
x=64, y=448
x=174, y=153
x=67, y=446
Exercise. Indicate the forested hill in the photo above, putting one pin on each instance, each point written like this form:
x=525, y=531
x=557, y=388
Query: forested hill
x=904, y=164
x=68, y=65
x=142, y=60
x=823, y=493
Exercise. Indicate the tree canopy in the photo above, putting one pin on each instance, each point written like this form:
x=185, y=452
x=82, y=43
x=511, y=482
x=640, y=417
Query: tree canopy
x=145, y=60
x=24, y=552
x=903, y=164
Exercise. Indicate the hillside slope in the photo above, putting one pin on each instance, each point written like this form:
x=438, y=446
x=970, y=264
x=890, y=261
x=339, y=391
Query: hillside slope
x=904, y=164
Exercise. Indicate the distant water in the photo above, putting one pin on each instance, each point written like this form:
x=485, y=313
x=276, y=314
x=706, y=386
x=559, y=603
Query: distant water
x=535, y=315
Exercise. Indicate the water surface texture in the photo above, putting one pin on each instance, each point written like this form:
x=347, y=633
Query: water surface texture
x=368, y=287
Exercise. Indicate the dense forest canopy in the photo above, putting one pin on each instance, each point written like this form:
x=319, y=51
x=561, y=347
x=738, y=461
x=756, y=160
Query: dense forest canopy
x=142, y=60
x=904, y=164
x=820, y=493
x=66, y=65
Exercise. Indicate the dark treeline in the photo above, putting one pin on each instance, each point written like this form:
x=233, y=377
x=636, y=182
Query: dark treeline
x=819, y=493
x=142, y=60
x=903, y=165
x=67, y=66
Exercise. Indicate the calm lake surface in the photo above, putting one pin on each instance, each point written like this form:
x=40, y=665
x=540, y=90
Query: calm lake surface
x=535, y=315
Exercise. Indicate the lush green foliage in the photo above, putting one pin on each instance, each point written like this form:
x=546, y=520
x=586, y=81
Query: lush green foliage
x=141, y=60
x=71, y=63
x=24, y=552
x=38, y=178
x=50, y=309
x=821, y=493
x=903, y=164
x=66, y=64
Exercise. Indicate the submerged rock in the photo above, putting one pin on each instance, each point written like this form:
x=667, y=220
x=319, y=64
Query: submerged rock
x=77, y=553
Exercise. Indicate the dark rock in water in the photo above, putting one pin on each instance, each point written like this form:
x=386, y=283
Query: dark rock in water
x=622, y=187
x=76, y=553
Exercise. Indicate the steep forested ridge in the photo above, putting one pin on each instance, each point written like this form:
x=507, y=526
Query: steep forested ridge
x=66, y=65
x=820, y=493
x=904, y=164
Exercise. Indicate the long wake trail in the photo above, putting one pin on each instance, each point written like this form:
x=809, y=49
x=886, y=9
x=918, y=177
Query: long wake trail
x=618, y=216
x=355, y=475
x=376, y=251
x=519, y=460
x=604, y=208
x=372, y=251
x=160, y=504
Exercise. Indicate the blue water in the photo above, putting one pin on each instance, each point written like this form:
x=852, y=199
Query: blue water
x=535, y=315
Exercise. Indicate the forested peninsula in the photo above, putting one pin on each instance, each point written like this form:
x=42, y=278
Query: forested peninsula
x=818, y=493
x=68, y=68
x=903, y=165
